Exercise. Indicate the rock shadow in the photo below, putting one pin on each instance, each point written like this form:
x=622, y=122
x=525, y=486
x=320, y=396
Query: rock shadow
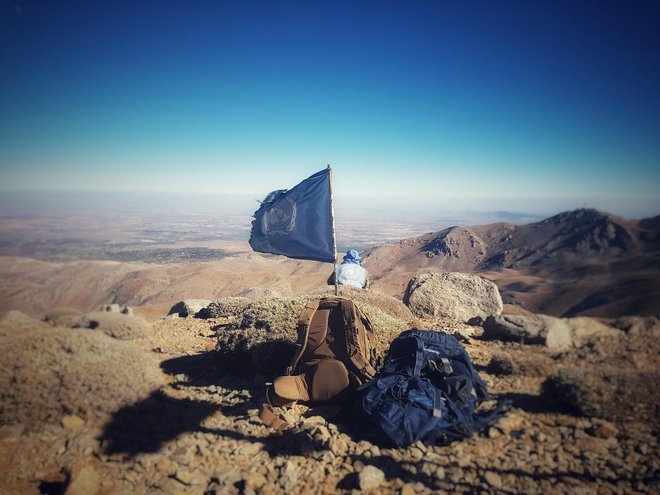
x=146, y=426
x=399, y=469
x=200, y=370
x=211, y=372
x=534, y=403
x=481, y=368
x=410, y=472
x=53, y=487
x=243, y=352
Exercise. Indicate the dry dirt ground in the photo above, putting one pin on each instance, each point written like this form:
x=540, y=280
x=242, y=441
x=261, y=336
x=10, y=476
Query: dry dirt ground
x=198, y=432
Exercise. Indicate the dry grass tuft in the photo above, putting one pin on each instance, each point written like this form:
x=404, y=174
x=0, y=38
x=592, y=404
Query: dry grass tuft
x=225, y=307
x=605, y=392
x=116, y=325
x=47, y=373
x=63, y=317
x=263, y=335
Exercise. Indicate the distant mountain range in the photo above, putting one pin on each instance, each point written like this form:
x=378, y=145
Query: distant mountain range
x=578, y=262
x=581, y=262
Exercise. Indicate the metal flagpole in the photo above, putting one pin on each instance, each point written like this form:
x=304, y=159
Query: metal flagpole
x=334, y=236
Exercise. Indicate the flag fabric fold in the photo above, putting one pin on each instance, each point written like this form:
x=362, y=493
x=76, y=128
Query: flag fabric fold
x=297, y=222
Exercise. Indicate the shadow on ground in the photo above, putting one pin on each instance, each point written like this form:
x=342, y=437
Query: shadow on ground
x=534, y=403
x=199, y=370
x=145, y=427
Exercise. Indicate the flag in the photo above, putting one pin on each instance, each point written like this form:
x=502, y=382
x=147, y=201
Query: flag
x=297, y=222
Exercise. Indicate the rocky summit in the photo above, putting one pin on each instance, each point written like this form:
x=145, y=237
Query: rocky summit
x=171, y=406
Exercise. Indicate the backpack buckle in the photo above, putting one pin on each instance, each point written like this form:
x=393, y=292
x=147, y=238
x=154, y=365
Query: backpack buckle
x=444, y=367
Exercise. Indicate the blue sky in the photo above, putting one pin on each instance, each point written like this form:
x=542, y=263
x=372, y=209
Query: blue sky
x=527, y=106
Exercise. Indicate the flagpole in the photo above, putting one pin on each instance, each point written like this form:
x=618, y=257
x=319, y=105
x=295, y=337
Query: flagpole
x=334, y=236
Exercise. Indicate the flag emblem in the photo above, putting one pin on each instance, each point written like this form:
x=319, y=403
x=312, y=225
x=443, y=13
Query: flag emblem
x=297, y=222
x=280, y=219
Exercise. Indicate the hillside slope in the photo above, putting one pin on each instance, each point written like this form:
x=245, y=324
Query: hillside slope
x=33, y=286
x=578, y=262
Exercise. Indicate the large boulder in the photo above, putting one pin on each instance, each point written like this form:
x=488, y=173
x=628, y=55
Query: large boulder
x=554, y=333
x=388, y=304
x=262, y=337
x=47, y=373
x=584, y=329
x=189, y=307
x=454, y=295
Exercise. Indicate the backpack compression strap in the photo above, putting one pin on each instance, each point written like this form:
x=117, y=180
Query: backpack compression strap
x=417, y=373
x=357, y=361
x=304, y=322
x=419, y=357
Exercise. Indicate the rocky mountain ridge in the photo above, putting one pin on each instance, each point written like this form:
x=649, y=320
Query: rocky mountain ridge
x=593, y=258
x=583, y=232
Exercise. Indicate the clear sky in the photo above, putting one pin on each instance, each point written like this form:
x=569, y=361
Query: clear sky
x=537, y=106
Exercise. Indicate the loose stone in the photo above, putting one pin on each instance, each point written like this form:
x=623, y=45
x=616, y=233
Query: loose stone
x=370, y=477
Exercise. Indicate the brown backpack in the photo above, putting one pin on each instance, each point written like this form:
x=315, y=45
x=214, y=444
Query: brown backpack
x=334, y=355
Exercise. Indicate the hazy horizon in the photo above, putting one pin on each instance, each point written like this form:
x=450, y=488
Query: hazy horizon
x=33, y=202
x=105, y=225
x=533, y=107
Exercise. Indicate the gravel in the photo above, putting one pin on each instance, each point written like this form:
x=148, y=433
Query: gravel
x=198, y=433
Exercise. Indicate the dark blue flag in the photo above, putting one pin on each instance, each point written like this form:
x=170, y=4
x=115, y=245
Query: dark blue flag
x=297, y=222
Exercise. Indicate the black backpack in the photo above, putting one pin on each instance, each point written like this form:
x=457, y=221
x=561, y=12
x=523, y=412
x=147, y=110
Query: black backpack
x=427, y=390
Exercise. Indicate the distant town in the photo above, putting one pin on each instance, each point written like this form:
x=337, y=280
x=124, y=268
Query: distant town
x=162, y=235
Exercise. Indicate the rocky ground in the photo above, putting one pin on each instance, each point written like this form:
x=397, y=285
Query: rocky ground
x=176, y=415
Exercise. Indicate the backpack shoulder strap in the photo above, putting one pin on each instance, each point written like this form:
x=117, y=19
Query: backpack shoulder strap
x=361, y=366
x=304, y=322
